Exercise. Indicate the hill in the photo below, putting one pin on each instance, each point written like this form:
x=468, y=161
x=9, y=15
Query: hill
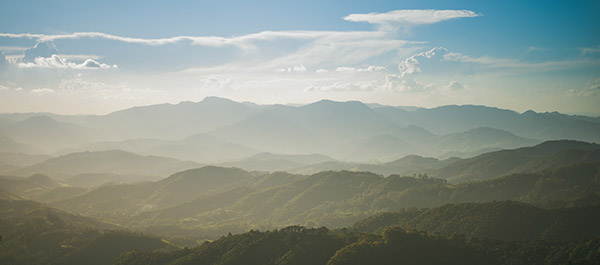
x=46, y=134
x=547, y=155
x=505, y=220
x=299, y=245
x=36, y=234
x=107, y=162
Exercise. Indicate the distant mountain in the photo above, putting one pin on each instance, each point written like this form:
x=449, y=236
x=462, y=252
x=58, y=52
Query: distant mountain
x=480, y=140
x=543, y=126
x=233, y=130
x=8, y=145
x=201, y=148
x=47, y=134
x=277, y=162
x=526, y=159
x=272, y=133
x=339, y=121
x=169, y=121
x=111, y=162
x=379, y=148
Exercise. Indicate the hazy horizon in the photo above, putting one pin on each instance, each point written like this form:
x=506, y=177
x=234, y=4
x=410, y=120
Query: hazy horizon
x=90, y=58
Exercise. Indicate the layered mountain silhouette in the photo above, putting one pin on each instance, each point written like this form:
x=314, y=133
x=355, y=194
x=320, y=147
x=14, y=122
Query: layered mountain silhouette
x=221, y=130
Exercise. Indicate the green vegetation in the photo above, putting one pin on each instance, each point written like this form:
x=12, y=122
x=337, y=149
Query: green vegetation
x=298, y=245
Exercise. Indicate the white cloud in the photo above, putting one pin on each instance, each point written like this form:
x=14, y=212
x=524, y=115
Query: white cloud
x=358, y=86
x=42, y=91
x=55, y=61
x=321, y=71
x=41, y=49
x=410, y=65
x=398, y=83
x=454, y=86
x=297, y=69
x=244, y=41
x=410, y=17
x=219, y=83
x=370, y=68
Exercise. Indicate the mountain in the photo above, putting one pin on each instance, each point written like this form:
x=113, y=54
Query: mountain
x=47, y=134
x=33, y=233
x=480, y=140
x=521, y=160
x=8, y=145
x=177, y=121
x=201, y=148
x=109, y=162
x=339, y=121
x=272, y=133
x=495, y=220
x=453, y=119
x=136, y=197
x=277, y=162
x=379, y=148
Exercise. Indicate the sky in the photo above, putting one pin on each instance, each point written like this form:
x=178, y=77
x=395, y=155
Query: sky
x=95, y=57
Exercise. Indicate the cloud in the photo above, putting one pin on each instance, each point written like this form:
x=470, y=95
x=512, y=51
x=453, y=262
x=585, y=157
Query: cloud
x=370, y=68
x=589, y=50
x=219, y=83
x=297, y=69
x=321, y=71
x=411, y=64
x=244, y=41
x=41, y=49
x=454, y=86
x=398, y=83
x=591, y=88
x=519, y=66
x=42, y=91
x=3, y=60
x=55, y=61
x=410, y=17
x=358, y=86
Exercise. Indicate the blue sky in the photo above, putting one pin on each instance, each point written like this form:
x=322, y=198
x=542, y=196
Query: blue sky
x=82, y=57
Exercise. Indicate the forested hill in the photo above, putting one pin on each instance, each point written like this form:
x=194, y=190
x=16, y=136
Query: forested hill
x=32, y=233
x=298, y=245
x=505, y=220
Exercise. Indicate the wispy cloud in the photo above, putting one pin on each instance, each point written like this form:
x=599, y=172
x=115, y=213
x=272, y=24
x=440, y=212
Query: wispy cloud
x=589, y=50
x=244, y=41
x=516, y=65
x=410, y=17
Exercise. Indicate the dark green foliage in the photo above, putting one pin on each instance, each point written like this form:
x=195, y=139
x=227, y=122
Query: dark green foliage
x=497, y=220
x=35, y=234
x=298, y=245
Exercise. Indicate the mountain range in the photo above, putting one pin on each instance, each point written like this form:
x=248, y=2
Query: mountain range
x=218, y=130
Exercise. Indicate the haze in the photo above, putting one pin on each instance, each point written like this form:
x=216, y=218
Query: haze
x=313, y=132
